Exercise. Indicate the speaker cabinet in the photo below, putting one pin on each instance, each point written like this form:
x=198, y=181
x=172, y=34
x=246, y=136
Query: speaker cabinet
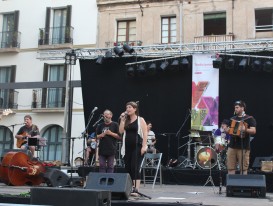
x=120, y=184
x=245, y=185
x=56, y=178
x=69, y=197
x=258, y=161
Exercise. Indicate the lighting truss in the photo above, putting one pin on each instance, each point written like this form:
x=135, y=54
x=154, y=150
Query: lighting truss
x=166, y=50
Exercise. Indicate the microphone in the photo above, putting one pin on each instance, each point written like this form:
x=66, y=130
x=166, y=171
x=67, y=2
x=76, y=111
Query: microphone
x=95, y=108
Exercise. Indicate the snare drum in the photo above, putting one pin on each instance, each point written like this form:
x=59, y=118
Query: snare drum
x=206, y=158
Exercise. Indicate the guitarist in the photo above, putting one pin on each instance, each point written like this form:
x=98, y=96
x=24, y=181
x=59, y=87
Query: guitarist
x=26, y=131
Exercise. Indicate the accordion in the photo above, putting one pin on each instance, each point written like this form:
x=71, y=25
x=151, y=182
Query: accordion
x=235, y=127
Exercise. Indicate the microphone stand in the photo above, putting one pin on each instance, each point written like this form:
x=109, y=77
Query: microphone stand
x=83, y=135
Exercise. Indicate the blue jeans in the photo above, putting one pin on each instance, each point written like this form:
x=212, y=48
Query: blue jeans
x=106, y=163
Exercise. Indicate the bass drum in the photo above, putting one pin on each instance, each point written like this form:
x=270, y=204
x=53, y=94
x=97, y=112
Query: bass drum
x=206, y=158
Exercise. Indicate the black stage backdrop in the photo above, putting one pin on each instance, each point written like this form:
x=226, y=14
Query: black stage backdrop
x=165, y=99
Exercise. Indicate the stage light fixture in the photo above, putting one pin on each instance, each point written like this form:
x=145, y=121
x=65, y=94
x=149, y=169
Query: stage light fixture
x=256, y=65
x=268, y=66
x=108, y=55
x=131, y=71
x=141, y=70
x=99, y=60
x=243, y=64
x=128, y=49
x=185, y=63
x=118, y=51
x=230, y=63
x=70, y=58
x=164, y=65
x=152, y=69
x=217, y=63
x=174, y=66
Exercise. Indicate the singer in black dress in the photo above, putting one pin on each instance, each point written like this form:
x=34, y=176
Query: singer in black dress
x=134, y=146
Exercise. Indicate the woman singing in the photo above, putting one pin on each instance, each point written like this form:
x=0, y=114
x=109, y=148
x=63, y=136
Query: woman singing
x=134, y=145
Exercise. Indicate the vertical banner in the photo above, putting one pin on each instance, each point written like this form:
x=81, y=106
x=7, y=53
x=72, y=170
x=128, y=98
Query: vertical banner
x=205, y=93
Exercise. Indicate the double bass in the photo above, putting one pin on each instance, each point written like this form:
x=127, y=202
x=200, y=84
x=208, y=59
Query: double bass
x=18, y=169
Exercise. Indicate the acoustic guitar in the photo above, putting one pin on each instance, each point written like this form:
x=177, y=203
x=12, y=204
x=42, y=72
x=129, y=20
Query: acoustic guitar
x=21, y=141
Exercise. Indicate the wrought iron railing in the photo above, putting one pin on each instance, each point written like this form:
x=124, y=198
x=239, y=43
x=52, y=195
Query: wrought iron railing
x=213, y=38
x=48, y=98
x=120, y=43
x=10, y=39
x=8, y=99
x=56, y=35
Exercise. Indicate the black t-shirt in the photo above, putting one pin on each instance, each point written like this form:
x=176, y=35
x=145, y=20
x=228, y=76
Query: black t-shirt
x=108, y=144
x=33, y=130
x=236, y=141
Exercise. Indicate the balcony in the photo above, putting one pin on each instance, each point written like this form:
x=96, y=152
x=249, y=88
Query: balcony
x=56, y=38
x=130, y=43
x=8, y=99
x=213, y=38
x=10, y=41
x=49, y=99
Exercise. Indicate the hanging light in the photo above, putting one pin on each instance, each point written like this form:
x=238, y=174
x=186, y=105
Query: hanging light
x=268, y=67
x=141, y=70
x=128, y=49
x=230, y=63
x=217, y=63
x=118, y=51
x=99, y=60
x=131, y=71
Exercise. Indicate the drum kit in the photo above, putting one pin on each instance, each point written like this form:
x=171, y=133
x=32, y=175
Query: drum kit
x=208, y=151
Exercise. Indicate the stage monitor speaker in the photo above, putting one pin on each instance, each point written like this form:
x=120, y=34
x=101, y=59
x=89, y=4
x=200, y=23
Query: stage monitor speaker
x=69, y=197
x=56, y=178
x=245, y=185
x=120, y=184
x=258, y=161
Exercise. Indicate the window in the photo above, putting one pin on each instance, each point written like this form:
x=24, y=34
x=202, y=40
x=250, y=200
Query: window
x=54, y=97
x=126, y=31
x=10, y=30
x=168, y=30
x=7, y=96
x=264, y=20
x=53, y=149
x=215, y=24
x=6, y=139
x=59, y=23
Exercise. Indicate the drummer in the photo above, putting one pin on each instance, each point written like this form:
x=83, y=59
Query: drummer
x=221, y=136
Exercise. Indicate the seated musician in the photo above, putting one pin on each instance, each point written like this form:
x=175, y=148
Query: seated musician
x=221, y=136
x=25, y=132
x=151, y=140
x=91, y=148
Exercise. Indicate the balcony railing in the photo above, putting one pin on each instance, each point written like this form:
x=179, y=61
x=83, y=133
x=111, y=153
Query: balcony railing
x=56, y=36
x=48, y=98
x=264, y=28
x=10, y=39
x=213, y=38
x=120, y=43
x=8, y=99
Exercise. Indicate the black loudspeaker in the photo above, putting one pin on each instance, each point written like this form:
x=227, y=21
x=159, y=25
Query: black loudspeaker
x=258, y=160
x=69, y=197
x=120, y=184
x=245, y=185
x=56, y=178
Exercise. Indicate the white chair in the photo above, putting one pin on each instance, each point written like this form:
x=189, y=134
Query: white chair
x=151, y=168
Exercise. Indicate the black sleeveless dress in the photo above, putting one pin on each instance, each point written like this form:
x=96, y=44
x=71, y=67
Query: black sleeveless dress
x=133, y=146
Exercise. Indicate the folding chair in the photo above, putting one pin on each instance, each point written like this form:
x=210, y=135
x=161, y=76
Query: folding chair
x=151, y=168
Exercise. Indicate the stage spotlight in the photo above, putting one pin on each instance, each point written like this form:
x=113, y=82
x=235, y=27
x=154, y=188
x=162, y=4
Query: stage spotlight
x=230, y=63
x=174, y=65
x=185, y=63
x=256, y=65
x=243, y=64
x=118, y=51
x=141, y=70
x=152, y=69
x=108, y=55
x=99, y=60
x=164, y=65
x=128, y=49
x=268, y=67
x=217, y=63
x=131, y=71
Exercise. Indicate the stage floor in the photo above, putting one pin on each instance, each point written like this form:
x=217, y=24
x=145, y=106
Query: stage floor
x=171, y=195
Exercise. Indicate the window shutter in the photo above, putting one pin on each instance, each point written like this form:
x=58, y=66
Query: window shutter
x=44, y=90
x=13, y=73
x=16, y=20
x=47, y=25
x=68, y=38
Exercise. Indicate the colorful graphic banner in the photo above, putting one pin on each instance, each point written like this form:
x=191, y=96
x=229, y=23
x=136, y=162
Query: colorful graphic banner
x=205, y=93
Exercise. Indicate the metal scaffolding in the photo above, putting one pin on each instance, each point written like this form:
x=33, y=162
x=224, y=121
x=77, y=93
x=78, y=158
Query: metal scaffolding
x=168, y=50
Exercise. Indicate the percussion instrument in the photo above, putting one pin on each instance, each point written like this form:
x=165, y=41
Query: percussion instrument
x=219, y=143
x=206, y=158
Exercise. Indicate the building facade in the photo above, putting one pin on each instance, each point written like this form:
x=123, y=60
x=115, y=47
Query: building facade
x=185, y=21
x=39, y=87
